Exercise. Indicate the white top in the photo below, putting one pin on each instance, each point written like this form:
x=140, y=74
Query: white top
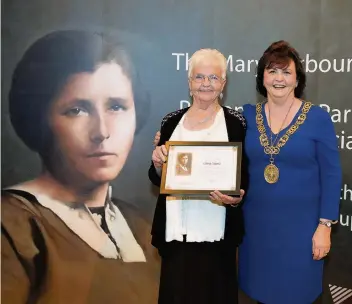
x=200, y=219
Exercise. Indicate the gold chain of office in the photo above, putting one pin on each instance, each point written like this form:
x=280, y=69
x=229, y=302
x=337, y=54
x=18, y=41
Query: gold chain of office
x=271, y=172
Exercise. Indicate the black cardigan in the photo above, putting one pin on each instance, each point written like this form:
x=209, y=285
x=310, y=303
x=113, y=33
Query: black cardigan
x=236, y=130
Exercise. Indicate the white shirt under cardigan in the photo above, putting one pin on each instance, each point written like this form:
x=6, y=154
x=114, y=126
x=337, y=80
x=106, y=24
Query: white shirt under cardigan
x=200, y=219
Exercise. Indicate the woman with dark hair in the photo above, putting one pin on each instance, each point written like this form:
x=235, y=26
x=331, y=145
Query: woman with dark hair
x=74, y=101
x=184, y=164
x=294, y=186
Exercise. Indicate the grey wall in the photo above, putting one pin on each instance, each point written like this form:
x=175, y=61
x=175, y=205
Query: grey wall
x=155, y=29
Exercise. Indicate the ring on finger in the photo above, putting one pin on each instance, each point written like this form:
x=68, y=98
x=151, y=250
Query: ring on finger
x=216, y=198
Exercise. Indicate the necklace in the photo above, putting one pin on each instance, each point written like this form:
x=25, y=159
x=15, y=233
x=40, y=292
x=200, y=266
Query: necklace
x=271, y=171
x=207, y=118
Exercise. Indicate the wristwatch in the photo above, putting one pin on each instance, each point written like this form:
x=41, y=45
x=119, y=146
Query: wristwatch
x=325, y=223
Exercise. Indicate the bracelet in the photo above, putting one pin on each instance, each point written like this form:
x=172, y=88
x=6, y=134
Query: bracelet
x=234, y=205
x=332, y=222
x=326, y=223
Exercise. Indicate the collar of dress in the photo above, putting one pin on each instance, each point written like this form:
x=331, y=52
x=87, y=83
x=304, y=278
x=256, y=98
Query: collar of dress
x=81, y=222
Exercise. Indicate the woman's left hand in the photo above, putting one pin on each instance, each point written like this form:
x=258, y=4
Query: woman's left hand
x=225, y=199
x=321, y=242
x=156, y=138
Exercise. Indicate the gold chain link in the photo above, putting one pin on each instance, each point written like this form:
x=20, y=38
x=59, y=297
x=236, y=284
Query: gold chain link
x=263, y=138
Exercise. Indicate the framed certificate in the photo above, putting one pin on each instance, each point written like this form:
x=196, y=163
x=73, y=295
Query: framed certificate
x=194, y=167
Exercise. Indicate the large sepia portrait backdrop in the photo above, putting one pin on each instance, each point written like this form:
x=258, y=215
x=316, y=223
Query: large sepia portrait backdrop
x=159, y=37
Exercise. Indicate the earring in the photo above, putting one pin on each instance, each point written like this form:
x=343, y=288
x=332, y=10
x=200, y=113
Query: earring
x=296, y=84
x=221, y=95
x=191, y=93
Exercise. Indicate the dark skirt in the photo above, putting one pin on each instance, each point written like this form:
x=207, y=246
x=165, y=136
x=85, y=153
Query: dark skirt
x=198, y=273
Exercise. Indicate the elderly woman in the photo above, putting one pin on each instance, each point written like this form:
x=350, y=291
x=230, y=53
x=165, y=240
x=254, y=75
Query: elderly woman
x=199, y=252
x=64, y=239
x=294, y=190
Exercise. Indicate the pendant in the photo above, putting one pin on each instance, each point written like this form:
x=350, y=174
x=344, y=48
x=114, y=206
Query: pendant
x=271, y=173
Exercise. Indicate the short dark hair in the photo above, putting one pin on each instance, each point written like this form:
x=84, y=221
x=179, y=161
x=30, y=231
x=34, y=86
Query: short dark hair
x=279, y=54
x=43, y=71
x=181, y=155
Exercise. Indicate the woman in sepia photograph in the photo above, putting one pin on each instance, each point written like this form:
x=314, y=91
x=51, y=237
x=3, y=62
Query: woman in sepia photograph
x=184, y=164
x=73, y=100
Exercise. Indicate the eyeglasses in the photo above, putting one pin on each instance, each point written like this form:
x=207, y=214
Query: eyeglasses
x=213, y=79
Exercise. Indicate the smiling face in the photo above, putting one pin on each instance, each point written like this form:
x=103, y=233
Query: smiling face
x=206, y=82
x=93, y=123
x=280, y=81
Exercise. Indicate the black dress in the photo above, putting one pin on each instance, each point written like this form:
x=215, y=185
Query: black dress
x=199, y=272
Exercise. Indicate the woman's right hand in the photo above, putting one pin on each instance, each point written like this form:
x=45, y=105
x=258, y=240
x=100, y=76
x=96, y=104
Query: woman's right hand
x=159, y=156
x=156, y=139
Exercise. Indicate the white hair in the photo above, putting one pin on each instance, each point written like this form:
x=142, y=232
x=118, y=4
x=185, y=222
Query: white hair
x=206, y=55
